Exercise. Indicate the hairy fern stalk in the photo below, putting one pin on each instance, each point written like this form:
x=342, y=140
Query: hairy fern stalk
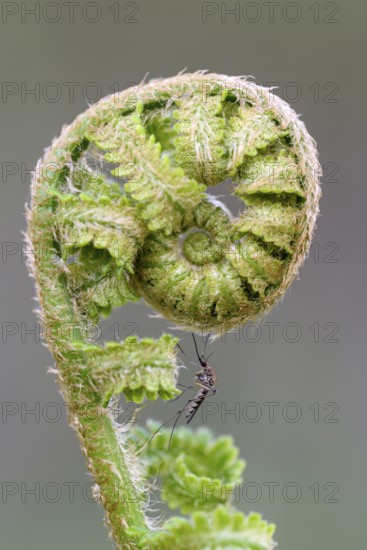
x=119, y=212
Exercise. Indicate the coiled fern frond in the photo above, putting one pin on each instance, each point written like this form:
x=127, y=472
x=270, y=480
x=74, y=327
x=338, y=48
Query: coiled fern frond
x=120, y=211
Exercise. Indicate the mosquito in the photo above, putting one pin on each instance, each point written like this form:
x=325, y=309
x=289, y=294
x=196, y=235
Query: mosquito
x=205, y=381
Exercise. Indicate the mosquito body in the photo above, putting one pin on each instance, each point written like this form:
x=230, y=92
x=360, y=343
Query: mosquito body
x=205, y=381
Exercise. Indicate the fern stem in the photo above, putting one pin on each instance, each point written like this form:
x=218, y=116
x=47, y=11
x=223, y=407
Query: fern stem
x=94, y=424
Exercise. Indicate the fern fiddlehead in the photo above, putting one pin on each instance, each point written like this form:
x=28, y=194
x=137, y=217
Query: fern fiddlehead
x=119, y=212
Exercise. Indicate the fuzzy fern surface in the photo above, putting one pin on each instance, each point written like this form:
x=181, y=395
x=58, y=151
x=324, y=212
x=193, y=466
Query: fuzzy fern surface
x=120, y=212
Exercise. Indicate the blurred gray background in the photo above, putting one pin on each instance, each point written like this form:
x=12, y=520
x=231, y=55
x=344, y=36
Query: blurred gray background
x=312, y=373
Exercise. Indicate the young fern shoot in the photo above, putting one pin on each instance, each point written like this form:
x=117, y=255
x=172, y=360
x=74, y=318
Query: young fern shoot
x=143, y=227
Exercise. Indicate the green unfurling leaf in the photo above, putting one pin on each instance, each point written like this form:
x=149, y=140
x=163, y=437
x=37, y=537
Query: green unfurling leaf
x=197, y=470
x=219, y=530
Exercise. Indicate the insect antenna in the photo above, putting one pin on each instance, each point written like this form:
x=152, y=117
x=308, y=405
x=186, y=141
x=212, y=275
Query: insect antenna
x=200, y=357
x=205, y=343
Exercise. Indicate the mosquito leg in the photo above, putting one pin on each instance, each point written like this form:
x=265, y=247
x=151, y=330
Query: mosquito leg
x=168, y=421
x=182, y=351
x=174, y=425
x=177, y=396
x=162, y=426
x=187, y=387
x=181, y=394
